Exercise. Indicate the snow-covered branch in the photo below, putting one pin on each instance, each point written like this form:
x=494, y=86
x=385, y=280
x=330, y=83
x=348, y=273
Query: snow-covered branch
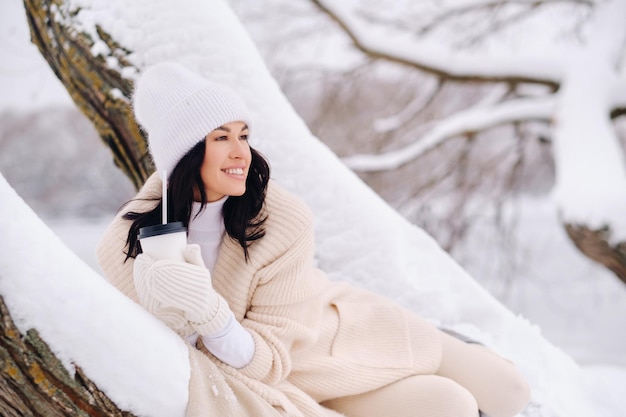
x=471, y=121
x=458, y=8
x=589, y=159
x=416, y=105
x=434, y=58
x=135, y=359
x=462, y=6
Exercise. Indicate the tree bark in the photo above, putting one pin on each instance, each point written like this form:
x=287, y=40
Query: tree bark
x=33, y=382
x=595, y=245
x=100, y=92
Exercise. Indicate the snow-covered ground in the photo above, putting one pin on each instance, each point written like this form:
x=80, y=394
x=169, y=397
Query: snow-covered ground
x=578, y=306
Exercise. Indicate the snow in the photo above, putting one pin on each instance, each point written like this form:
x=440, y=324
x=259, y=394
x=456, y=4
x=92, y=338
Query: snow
x=478, y=118
x=24, y=66
x=142, y=365
x=430, y=54
x=591, y=171
x=136, y=359
x=579, y=305
x=591, y=174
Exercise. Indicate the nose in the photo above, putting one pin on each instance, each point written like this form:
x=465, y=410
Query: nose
x=238, y=149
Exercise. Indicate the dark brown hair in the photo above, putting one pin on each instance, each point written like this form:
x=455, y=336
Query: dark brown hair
x=242, y=214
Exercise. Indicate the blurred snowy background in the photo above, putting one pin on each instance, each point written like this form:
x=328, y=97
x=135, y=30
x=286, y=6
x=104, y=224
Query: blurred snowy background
x=508, y=238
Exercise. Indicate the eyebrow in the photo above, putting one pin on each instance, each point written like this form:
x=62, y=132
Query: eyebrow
x=225, y=129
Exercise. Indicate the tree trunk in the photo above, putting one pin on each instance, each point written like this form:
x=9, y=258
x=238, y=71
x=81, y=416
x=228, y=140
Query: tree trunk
x=595, y=245
x=101, y=93
x=33, y=382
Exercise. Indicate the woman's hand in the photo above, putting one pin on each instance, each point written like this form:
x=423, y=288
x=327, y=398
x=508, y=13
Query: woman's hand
x=174, y=318
x=184, y=287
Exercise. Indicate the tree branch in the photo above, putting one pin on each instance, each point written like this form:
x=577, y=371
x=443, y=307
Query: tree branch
x=33, y=382
x=461, y=7
x=454, y=66
x=468, y=122
x=419, y=103
x=595, y=245
x=101, y=93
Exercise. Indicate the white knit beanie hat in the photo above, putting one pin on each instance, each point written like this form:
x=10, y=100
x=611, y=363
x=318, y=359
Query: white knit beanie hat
x=177, y=109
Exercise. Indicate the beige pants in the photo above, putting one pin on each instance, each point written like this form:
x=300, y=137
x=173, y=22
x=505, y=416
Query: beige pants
x=469, y=378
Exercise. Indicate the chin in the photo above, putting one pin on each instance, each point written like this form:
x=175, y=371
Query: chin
x=238, y=193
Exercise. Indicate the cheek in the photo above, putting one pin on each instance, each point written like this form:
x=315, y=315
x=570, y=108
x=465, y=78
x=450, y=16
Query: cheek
x=207, y=169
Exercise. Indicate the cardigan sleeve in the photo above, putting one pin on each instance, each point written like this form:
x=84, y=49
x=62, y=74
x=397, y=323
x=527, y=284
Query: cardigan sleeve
x=285, y=310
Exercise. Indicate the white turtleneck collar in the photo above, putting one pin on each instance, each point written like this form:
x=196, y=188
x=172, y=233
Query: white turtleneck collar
x=210, y=218
x=206, y=229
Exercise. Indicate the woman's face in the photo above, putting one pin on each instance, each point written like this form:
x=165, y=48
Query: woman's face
x=226, y=161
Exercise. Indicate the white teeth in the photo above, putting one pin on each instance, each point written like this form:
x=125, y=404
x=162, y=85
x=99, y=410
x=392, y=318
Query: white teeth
x=234, y=171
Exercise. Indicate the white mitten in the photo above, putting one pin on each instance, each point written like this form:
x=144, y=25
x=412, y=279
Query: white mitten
x=174, y=318
x=187, y=286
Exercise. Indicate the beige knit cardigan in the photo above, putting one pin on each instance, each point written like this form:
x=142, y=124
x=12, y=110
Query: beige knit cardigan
x=315, y=339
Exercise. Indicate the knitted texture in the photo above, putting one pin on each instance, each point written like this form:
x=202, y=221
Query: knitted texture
x=206, y=229
x=174, y=318
x=187, y=287
x=177, y=109
x=415, y=396
x=305, y=327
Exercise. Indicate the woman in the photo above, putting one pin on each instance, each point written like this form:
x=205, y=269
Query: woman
x=249, y=297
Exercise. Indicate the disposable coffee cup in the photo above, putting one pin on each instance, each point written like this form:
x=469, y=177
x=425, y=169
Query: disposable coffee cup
x=164, y=241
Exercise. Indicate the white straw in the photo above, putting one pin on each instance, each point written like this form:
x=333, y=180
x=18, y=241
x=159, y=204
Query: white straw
x=164, y=196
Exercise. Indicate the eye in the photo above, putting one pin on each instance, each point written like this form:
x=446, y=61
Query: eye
x=243, y=137
x=218, y=138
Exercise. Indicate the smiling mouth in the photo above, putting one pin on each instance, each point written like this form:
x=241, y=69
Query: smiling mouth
x=234, y=171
